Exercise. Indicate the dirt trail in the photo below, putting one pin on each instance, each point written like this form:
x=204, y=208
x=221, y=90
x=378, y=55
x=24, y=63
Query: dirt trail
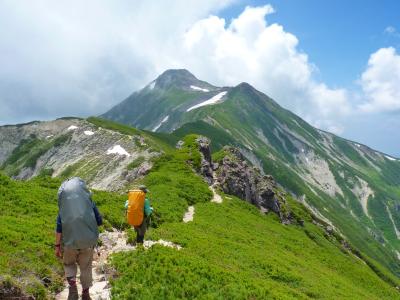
x=188, y=217
x=112, y=242
x=216, y=198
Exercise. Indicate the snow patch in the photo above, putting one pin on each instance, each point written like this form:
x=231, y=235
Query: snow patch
x=188, y=217
x=358, y=145
x=193, y=87
x=49, y=136
x=162, y=122
x=117, y=149
x=72, y=127
x=88, y=132
x=211, y=101
x=390, y=158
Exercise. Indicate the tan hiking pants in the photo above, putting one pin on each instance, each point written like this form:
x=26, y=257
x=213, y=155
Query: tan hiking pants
x=83, y=258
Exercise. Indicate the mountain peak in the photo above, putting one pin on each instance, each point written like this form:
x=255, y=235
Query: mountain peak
x=245, y=86
x=175, y=77
x=177, y=73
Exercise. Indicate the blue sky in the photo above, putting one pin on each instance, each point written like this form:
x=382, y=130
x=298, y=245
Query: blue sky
x=339, y=36
x=334, y=63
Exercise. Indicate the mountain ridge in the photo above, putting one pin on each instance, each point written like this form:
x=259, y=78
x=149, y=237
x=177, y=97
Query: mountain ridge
x=350, y=184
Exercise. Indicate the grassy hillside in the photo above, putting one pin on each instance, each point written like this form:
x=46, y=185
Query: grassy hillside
x=230, y=250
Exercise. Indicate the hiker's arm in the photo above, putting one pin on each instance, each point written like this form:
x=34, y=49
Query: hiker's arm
x=57, y=245
x=99, y=218
x=147, y=208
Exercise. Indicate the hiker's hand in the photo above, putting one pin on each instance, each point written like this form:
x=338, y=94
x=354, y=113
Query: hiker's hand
x=58, y=252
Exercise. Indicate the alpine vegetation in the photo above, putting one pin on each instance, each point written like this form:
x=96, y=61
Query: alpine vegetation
x=219, y=193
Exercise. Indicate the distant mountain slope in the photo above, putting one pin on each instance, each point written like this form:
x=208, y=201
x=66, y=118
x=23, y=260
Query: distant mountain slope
x=162, y=101
x=349, y=184
x=108, y=159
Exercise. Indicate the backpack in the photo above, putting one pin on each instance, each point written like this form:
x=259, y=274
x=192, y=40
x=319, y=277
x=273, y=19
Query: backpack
x=135, y=212
x=79, y=226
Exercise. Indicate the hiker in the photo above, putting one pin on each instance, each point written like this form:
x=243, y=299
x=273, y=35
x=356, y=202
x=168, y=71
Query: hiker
x=77, y=233
x=138, y=211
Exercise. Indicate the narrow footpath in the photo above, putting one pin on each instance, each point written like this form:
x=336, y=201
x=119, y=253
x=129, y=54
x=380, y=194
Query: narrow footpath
x=112, y=242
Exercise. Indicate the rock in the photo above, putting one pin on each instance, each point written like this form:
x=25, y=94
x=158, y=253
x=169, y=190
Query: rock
x=234, y=176
x=179, y=144
x=206, y=167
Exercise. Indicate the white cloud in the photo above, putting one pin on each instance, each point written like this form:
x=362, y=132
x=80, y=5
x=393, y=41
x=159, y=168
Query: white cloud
x=381, y=82
x=265, y=55
x=80, y=57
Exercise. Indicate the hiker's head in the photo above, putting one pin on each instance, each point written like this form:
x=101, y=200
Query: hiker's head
x=143, y=188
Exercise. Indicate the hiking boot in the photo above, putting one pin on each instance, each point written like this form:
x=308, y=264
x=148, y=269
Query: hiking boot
x=86, y=296
x=73, y=293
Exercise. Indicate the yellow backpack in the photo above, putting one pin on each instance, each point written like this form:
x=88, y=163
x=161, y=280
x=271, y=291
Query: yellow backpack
x=135, y=212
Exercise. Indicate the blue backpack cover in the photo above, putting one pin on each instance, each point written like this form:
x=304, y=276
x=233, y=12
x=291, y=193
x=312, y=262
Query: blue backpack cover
x=79, y=226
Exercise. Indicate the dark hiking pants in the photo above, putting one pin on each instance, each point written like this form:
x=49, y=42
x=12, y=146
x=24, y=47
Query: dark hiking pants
x=141, y=230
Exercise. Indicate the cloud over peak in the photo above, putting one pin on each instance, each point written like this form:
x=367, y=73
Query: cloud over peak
x=381, y=82
x=80, y=58
x=265, y=55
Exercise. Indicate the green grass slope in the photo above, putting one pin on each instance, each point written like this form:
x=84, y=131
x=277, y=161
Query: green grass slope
x=230, y=251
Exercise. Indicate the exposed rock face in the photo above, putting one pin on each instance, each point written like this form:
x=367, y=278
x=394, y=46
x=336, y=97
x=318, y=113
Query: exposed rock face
x=104, y=158
x=206, y=162
x=234, y=176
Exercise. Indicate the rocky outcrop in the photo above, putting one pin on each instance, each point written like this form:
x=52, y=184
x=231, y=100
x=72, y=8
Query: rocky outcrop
x=105, y=159
x=206, y=168
x=234, y=176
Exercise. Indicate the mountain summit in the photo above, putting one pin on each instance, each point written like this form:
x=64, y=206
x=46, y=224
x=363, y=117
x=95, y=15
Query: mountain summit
x=179, y=78
x=351, y=186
